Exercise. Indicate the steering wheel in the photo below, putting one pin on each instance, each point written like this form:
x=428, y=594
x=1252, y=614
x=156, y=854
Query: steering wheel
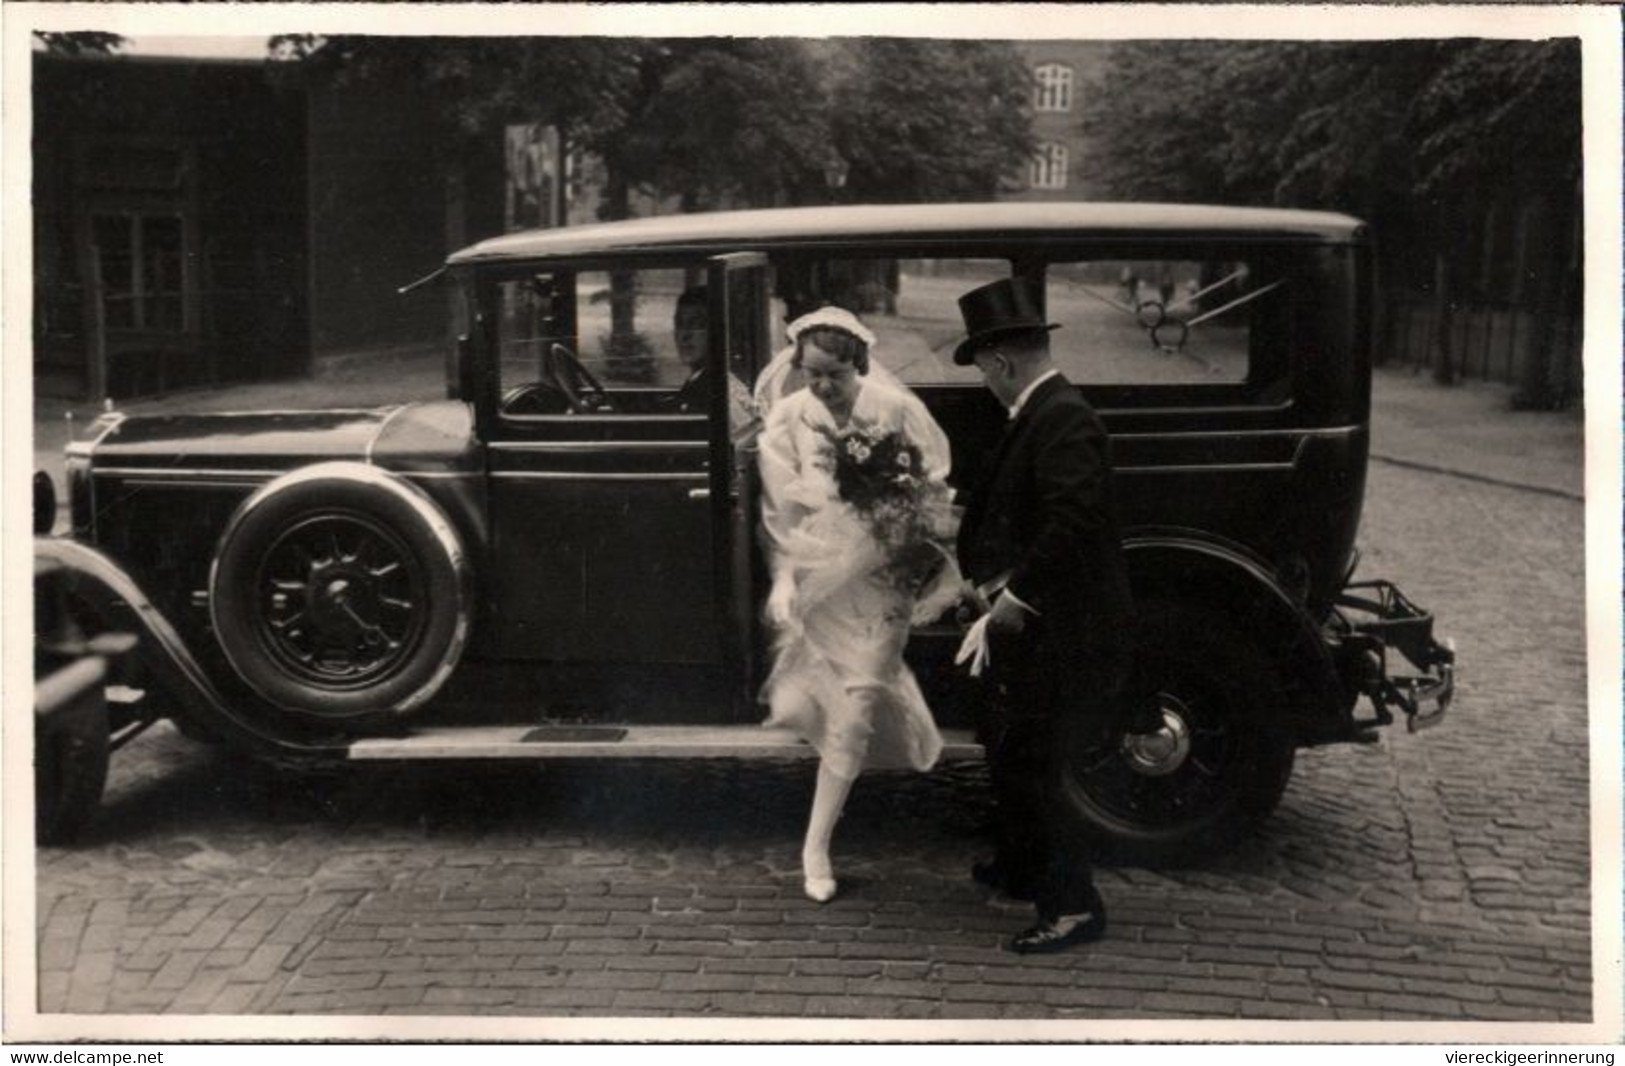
x=575, y=381
x=535, y=398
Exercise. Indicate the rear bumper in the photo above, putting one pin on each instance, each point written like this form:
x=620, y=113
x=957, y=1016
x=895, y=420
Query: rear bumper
x=1369, y=621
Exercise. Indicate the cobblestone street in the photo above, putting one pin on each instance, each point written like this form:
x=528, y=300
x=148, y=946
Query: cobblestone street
x=1437, y=876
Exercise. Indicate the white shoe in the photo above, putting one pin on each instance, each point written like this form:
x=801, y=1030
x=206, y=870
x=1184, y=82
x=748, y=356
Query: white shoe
x=819, y=889
x=818, y=878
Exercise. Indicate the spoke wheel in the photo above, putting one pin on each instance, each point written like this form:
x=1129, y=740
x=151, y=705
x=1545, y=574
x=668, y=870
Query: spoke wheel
x=342, y=601
x=340, y=593
x=1218, y=763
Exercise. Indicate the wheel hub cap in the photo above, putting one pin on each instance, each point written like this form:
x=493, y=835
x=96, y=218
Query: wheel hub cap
x=342, y=601
x=1161, y=753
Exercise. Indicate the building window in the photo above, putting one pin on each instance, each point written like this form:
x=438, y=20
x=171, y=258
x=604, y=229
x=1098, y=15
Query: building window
x=140, y=265
x=1048, y=169
x=1054, y=87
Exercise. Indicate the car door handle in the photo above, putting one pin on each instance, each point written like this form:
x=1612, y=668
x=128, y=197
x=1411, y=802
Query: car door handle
x=699, y=494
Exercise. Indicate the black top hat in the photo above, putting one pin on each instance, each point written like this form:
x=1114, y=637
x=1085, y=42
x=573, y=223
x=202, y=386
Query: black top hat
x=1009, y=305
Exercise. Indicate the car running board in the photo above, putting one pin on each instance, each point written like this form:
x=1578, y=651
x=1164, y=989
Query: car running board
x=612, y=742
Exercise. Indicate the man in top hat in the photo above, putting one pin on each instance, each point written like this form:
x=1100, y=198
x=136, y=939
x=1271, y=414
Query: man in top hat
x=1040, y=543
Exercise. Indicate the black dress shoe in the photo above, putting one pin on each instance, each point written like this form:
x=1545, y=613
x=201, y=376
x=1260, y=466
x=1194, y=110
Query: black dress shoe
x=992, y=874
x=1065, y=932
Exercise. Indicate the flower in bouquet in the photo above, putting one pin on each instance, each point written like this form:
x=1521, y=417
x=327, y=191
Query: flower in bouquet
x=881, y=475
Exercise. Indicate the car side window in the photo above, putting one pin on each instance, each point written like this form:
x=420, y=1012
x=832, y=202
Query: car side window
x=626, y=322
x=623, y=341
x=532, y=319
x=1151, y=321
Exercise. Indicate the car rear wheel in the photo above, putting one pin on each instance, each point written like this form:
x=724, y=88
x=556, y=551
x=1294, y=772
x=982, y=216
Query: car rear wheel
x=1220, y=761
x=341, y=593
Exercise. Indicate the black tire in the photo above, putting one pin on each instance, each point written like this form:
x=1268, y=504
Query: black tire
x=1224, y=756
x=70, y=772
x=340, y=593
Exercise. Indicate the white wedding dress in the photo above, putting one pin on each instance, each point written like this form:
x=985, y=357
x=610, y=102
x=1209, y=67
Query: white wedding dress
x=847, y=624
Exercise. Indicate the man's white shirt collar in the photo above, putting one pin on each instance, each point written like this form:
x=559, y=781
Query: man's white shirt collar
x=1021, y=401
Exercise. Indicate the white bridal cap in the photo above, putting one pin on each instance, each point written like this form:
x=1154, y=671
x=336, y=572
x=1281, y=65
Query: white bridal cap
x=835, y=317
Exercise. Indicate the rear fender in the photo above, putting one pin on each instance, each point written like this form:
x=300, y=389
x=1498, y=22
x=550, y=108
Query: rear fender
x=1224, y=577
x=98, y=583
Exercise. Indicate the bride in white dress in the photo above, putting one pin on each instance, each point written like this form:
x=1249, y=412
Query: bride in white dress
x=844, y=593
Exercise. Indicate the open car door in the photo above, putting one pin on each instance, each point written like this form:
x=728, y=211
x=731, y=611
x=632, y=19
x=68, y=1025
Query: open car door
x=739, y=286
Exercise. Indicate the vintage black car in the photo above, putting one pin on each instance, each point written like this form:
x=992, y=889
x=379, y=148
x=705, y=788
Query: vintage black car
x=547, y=555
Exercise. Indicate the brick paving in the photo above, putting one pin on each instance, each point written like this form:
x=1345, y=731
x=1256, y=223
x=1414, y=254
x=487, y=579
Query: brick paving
x=1438, y=876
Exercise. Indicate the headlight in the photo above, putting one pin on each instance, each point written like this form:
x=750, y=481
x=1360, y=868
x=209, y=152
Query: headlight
x=44, y=503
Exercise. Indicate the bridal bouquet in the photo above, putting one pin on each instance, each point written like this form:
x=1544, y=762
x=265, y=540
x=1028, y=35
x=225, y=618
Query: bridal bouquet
x=911, y=517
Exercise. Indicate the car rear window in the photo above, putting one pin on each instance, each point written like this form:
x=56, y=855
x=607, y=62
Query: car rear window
x=1157, y=321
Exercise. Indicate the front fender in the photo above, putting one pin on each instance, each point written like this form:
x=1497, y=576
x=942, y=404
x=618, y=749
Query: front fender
x=97, y=582
x=1182, y=566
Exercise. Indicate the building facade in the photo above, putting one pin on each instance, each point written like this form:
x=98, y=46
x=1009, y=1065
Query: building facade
x=1065, y=76
x=169, y=225
x=203, y=222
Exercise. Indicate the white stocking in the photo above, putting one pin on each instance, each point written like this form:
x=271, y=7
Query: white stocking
x=828, y=799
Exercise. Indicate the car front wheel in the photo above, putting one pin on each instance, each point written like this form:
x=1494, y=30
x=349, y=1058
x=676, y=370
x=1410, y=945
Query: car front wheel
x=1221, y=759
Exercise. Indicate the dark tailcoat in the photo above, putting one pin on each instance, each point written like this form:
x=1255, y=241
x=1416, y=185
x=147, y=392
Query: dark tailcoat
x=1043, y=513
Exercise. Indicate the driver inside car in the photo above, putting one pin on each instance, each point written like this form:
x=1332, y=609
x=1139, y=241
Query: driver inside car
x=692, y=335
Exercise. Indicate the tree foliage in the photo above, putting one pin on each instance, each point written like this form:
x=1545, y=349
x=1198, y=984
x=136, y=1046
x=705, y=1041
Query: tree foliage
x=78, y=43
x=929, y=120
x=479, y=84
x=749, y=121
x=1502, y=111
x=1360, y=125
x=1423, y=137
x=729, y=121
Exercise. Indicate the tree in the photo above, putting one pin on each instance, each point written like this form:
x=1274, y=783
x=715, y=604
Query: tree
x=79, y=43
x=1158, y=126
x=741, y=121
x=719, y=121
x=1500, y=118
x=1309, y=124
x=929, y=120
x=1420, y=137
x=716, y=120
x=477, y=85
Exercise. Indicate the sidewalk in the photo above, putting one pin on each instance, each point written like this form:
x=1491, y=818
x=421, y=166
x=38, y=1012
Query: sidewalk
x=1471, y=430
x=1468, y=429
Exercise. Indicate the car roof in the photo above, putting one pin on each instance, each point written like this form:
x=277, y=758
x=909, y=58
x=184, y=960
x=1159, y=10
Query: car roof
x=908, y=224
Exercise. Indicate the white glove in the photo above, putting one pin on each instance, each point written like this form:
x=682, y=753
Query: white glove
x=974, y=647
x=780, y=600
